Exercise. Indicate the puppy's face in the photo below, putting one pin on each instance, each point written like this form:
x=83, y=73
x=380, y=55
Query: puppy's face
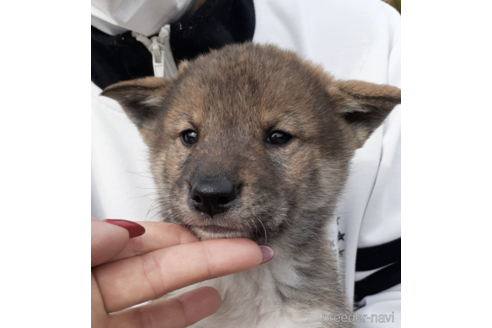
x=250, y=140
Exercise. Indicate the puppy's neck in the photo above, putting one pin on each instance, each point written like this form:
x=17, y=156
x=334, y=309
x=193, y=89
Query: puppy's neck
x=305, y=273
x=306, y=234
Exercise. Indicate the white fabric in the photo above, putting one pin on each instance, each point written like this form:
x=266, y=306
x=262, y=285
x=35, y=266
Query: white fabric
x=160, y=48
x=143, y=16
x=352, y=39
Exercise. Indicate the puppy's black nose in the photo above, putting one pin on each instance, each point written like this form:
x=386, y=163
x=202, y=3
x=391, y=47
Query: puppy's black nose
x=213, y=195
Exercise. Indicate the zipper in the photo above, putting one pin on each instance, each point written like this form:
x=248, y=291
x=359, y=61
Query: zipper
x=160, y=48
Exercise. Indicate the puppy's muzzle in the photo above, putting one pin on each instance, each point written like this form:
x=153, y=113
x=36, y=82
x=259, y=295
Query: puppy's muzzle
x=213, y=195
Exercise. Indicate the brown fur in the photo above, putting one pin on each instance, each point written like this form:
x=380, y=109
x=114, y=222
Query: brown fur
x=233, y=98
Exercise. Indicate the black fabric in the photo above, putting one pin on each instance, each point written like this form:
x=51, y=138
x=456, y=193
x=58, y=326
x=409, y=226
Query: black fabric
x=377, y=282
x=386, y=256
x=118, y=58
x=375, y=257
x=215, y=24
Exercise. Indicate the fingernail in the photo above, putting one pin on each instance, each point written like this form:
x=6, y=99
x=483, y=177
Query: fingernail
x=267, y=253
x=133, y=228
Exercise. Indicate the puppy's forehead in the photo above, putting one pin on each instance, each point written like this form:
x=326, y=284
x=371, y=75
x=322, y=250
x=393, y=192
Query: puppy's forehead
x=261, y=86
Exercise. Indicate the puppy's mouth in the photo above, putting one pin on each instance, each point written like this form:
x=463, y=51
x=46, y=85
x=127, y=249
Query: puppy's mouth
x=224, y=227
x=214, y=231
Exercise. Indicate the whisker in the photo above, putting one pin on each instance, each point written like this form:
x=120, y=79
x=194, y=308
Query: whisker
x=266, y=240
x=152, y=206
x=140, y=174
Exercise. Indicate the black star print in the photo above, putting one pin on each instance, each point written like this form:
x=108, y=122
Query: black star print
x=338, y=220
x=340, y=236
x=341, y=252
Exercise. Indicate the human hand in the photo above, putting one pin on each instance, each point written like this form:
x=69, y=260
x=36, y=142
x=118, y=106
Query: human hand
x=128, y=271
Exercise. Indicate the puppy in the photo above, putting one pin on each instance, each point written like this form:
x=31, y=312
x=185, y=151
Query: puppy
x=253, y=142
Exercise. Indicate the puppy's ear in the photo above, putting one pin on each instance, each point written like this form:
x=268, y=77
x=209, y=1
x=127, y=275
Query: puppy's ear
x=183, y=65
x=363, y=106
x=141, y=99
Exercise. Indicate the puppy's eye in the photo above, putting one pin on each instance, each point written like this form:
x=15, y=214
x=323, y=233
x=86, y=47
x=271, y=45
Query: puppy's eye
x=189, y=137
x=278, y=138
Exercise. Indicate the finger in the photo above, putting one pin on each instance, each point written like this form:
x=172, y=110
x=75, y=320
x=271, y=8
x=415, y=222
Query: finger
x=182, y=311
x=157, y=235
x=107, y=240
x=138, y=279
x=98, y=312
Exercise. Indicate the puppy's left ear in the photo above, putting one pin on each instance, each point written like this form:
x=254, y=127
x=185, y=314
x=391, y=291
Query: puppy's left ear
x=363, y=106
x=141, y=99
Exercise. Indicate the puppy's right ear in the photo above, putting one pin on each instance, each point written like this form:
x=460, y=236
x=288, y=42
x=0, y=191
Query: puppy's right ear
x=141, y=99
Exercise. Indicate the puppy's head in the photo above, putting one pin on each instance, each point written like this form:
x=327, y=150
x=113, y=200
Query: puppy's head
x=250, y=140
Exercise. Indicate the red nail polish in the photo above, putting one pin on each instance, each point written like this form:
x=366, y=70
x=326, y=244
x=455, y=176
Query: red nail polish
x=267, y=253
x=133, y=228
